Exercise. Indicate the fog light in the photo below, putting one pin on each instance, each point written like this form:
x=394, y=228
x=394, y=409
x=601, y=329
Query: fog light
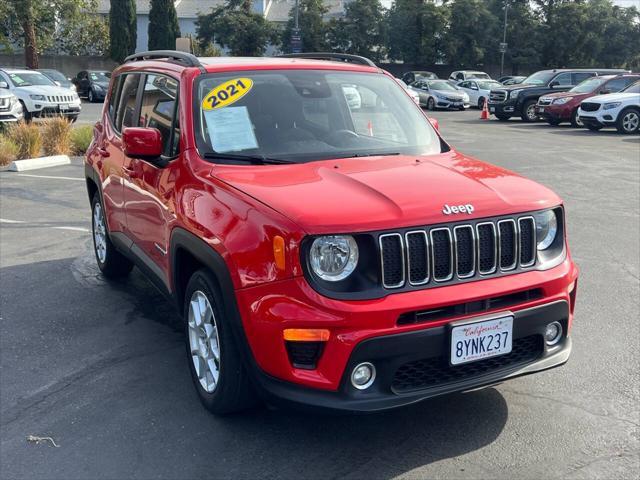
x=363, y=376
x=553, y=333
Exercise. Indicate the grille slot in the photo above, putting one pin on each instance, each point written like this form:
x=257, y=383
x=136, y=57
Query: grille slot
x=590, y=106
x=508, y=235
x=417, y=257
x=433, y=372
x=465, y=251
x=442, y=254
x=487, y=248
x=498, y=96
x=393, y=263
x=527, y=230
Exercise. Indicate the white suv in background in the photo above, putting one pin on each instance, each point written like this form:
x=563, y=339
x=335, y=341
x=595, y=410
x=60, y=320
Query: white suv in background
x=620, y=110
x=462, y=75
x=39, y=95
x=10, y=107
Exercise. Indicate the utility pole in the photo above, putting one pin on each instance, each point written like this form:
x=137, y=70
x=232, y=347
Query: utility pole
x=296, y=37
x=503, y=45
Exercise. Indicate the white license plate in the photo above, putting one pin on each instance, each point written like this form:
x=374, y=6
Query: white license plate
x=479, y=340
x=492, y=109
x=64, y=108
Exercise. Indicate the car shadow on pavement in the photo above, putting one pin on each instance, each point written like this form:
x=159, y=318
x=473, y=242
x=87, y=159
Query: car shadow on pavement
x=108, y=380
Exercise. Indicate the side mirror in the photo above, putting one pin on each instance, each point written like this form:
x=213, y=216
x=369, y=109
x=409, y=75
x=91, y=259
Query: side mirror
x=144, y=143
x=4, y=85
x=434, y=124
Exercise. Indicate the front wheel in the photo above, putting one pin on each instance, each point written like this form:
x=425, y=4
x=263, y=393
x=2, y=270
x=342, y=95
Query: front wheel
x=529, y=111
x=481, y=103
x=503, y=118
x=628, y=121
x=553, y=122
x=575, y=120
x=217, y=371
x=27, y=115
x=91, y=97
x=112, y=263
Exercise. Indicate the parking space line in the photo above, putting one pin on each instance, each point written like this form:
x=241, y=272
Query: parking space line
x=22, y=222
x=77, y=179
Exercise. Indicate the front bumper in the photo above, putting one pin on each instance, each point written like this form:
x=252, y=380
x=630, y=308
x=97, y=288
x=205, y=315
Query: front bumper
x=446, y=104
x=11, y=114
x=601, y=118
x=507, y=108
x=369, y=331
x=555, y=112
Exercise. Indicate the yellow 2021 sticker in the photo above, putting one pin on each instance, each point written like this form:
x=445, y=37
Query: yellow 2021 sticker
x=227, y=93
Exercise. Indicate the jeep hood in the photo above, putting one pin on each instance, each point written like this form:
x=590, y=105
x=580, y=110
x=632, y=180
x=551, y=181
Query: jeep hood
x=43, y=90
x=377, y=193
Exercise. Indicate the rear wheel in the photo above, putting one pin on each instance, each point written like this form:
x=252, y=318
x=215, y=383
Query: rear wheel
x=217, y=371
x=112, y=263
x=575, y=120
x=529, y=111
x=628, y=121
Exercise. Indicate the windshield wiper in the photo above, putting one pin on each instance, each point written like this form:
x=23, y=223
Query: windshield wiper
x=359, y=155
x=252, y=159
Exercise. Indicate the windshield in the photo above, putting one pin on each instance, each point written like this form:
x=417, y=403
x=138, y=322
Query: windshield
x=633, y=88
x=488, y=85
x=539, y=78
x=589, y=85
x=26, y=79
x=100, y=76
x=442, y=85
x=305, y=115
x=55, y=75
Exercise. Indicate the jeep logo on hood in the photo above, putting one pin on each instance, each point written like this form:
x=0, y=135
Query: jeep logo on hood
x=453, y=209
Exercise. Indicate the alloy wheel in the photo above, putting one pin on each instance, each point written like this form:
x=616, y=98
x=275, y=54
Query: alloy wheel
x=630, y=122
x=531, y=112
x=99, y=233
x=204, y=341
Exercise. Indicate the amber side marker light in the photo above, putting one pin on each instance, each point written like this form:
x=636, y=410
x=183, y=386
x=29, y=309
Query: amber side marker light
x=278, y=252
x=305, y=334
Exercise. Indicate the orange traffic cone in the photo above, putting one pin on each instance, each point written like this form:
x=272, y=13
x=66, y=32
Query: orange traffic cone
x=485, y=111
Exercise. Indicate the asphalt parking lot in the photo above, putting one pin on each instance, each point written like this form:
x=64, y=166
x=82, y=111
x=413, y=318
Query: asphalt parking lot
x=100, y=368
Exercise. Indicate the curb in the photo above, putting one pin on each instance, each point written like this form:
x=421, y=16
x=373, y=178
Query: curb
x=40, y=162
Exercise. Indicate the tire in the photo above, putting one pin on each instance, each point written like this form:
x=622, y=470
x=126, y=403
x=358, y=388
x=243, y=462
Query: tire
x=90, y=96
x=575, y=120
x=73, y=118
x=27, y=115
x=431, y=104
x=628, y=121
x=594, y=128
x=481, y=103
x=112, y=263
x=503, y=118
x=528, y=111
x=231, y=391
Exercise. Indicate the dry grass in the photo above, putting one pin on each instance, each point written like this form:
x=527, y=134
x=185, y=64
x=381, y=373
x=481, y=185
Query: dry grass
x=8, y=150
x=27, y=138
x=81, y=137
x=56, y=136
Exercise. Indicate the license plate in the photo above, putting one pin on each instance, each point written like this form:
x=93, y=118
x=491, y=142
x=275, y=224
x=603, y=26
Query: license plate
x=479, y=340
x=492, y=109
x=64, y=108
x=540, y=109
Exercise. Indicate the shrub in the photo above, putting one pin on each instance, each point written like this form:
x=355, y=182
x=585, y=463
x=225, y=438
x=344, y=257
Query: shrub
x=56, y=132
x=81, y=138
x=8, y=150
x=27, y=139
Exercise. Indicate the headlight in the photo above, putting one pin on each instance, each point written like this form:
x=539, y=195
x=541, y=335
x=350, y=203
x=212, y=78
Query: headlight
x=609, y=106
x=546, y=228
x=334, y=257
x=13, y=101
x=561, y=101
x=514, y=93
x=37, y=97
x=465, y=97
x=72, y=87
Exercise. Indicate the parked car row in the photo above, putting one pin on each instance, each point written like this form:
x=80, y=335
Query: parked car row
x=26, y=94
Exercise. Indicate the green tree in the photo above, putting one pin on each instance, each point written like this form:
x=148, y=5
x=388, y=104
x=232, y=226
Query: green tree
x=361, y=31
x=472, y=28
x=310, y=21
x=236, y=27
x=87, y=37
x=122, y=29
x=163, y=25
x=415, y=31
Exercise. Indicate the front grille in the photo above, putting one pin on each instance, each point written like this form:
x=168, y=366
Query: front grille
x=460, y=251
x=589, y=106
x=453, y=99
x=435, y=372
x=497, y=96
x=59, y=98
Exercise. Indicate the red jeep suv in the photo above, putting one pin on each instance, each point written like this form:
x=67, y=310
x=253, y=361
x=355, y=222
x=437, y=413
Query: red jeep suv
x=323, y=251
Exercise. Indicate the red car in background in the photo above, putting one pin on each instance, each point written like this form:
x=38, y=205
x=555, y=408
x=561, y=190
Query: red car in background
x=556, y=108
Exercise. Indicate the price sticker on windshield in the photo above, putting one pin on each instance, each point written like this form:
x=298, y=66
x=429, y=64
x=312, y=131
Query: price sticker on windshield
x=227, y=93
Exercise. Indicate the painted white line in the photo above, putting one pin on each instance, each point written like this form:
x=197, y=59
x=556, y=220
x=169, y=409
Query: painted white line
x=50, y=176
x=73, y=229
x=6, y=220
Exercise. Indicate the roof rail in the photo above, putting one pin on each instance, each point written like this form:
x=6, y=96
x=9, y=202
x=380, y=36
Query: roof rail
x=172, y=55
x=337, y=57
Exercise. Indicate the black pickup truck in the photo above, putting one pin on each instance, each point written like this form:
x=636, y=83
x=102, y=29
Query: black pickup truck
x=521, y=99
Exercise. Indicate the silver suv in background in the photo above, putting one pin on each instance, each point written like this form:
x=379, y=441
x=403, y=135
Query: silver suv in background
x=10, y=107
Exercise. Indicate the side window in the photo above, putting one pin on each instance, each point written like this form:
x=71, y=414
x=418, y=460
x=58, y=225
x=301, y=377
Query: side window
x=113, y=99
x=618, y=84
x=465, y=84
x=158, y=110
x=126, y=111
x=374, y=119
x=563, y=80
x=460, y=76
x=581, y=76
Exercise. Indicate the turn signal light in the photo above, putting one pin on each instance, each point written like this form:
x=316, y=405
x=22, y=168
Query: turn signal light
x=278, y=252
x=306, y=335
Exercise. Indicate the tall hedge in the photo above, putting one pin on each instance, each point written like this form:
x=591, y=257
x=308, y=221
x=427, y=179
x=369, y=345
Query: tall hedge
x=123, y=30
x=163, y=25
